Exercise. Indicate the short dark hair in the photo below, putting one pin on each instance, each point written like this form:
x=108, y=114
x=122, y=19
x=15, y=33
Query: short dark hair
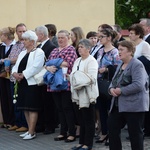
x=138, y=29
x=109, y=33
x=52, y=30
x=105, y=26
x=129, y=45
x=20, y=25
x=91, y=34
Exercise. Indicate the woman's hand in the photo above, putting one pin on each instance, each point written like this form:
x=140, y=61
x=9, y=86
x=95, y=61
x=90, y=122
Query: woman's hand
x=18, y=76
x=102, y=70
x=64, y=64
x=7, y=69
x=21, y=76
x=2, y=60
x=51, y=69
x=68, y=77
x=115, y=92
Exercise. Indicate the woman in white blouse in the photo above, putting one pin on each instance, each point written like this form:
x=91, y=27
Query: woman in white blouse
x=142, y=47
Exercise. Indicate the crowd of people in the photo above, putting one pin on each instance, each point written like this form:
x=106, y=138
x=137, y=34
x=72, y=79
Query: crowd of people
x=74, y=101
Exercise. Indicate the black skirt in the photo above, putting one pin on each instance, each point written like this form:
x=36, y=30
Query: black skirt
x=28, y=95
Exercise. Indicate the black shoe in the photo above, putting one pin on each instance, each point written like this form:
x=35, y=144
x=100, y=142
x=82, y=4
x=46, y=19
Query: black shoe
x=47, y=131
x=88, y=148
x=103, y=140
x=3, y=126
x=106, y=143
x=128, y=138
x=69, y=140
x=60, y=138
x=97, y=137
x=76, y=147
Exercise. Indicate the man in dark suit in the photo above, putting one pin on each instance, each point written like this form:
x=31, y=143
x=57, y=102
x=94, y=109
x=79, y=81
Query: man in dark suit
x=46, y=120
x=145, y=22
x=119, y=37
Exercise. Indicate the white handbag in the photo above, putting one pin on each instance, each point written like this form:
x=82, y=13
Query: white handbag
x=39, y=76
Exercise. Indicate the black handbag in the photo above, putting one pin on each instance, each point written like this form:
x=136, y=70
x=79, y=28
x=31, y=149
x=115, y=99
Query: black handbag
x=103, y=85
x=3, y=73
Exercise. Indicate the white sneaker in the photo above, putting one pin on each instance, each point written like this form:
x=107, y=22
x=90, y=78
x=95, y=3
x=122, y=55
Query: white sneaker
x=24, y=134
x=29, y=136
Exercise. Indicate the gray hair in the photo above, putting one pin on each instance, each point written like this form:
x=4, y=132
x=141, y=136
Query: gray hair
x=42, y=29
x=64, y=31
x=117, y=28
x=147, y=20
x=30, y=35
x=86, y=43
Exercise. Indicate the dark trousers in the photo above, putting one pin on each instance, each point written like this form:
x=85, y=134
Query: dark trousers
x=87, y=125
x=147, y=123
x=134, y=121
x=77, y=114
x=46, y=118
x=20, y=119
x=6, y=101
x=65, y=111
x=103, y=107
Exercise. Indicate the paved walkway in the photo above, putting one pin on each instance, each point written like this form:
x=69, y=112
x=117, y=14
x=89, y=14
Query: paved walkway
x=10, y=140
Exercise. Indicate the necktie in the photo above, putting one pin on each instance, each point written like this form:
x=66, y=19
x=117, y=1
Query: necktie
x=39, y=46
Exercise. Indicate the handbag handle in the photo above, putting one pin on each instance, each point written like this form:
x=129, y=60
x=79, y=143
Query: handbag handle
x=44, y=56
x=78, y=65
x=108, y=70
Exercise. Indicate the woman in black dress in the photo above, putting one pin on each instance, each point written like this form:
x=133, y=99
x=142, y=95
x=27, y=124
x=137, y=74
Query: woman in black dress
x=29, y=63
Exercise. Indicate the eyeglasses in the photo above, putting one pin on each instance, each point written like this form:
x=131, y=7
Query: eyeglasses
x=100, y=37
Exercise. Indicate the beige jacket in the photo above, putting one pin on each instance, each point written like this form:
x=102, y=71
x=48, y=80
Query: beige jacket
x=84, y=81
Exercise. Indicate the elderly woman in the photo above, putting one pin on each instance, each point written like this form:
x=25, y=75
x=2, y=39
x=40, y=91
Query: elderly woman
x=62, y=98
x=142, y=52
x=29, y=63
x=130, y=92
x=83, y=80
x=142, y=47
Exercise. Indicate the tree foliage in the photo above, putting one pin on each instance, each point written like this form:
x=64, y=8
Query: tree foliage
x=128, y=12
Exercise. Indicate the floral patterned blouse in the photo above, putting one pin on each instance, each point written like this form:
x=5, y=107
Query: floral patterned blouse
x=109, y=58
x=15, y=51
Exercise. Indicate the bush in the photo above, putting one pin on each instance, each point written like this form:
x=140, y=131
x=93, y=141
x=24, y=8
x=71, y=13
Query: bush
x=128, y=12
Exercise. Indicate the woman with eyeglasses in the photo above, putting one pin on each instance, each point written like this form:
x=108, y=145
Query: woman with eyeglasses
x=108, y=59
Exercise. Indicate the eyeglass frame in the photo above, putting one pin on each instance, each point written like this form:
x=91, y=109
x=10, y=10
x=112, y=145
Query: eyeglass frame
x=101, y=37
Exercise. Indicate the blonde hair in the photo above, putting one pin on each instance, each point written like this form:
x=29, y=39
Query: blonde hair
x=78, y=32
x=9, y=32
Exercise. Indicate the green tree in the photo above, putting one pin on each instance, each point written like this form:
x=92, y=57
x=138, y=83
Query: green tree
x=128, y=12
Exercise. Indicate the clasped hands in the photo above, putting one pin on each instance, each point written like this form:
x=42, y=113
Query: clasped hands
x=115, y=92
x=18, y=76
